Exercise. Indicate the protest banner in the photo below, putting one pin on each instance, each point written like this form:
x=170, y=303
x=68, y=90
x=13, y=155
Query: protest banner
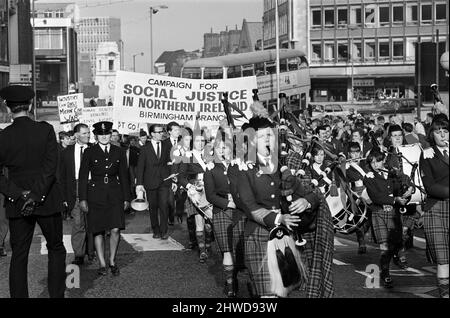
x=92, y=115
x=145, y=98
x=69, y=107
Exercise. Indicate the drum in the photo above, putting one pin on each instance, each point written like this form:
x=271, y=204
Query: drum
x=411, y=156
x=346, y=221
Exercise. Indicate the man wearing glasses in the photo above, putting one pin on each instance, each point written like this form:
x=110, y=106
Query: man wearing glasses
x=152, y=169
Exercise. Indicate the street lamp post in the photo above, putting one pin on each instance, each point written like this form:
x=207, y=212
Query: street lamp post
x=277, y=49
x=153, y=10
x=134, y=60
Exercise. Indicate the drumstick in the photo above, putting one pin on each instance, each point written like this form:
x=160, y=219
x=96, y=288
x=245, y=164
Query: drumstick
x=173, y=175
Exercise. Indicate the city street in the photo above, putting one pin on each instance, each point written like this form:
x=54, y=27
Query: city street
x=165, y=269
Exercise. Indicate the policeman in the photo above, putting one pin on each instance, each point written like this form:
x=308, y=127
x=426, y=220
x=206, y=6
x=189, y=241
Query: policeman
x=106, y=195
x=28, y=150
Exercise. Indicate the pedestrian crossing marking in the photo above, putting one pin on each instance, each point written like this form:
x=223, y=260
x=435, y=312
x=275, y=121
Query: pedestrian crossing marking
x=337, y=262
x=139, y=242
x=66, y=240
x=146, y=242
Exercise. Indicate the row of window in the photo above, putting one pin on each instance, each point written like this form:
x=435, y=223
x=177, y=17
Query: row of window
x=270, y=4
x=378, y=15
x=371, y=49
x=269, y=27
x=48, y=39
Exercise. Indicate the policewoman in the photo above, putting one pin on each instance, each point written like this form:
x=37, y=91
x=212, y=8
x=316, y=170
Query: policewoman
x=104, y=193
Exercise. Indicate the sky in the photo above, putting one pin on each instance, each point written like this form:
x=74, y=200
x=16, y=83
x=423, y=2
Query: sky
x=180, y=26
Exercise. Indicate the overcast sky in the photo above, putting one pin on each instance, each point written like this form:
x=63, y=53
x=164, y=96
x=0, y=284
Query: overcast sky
x=181, y=26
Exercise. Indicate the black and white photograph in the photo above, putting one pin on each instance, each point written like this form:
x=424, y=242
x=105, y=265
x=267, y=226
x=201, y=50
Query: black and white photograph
x=225, y=156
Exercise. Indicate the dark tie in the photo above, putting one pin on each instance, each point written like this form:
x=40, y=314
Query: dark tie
x=106, y=150
x=158, y=151
x=81, y=153
x=446, y=156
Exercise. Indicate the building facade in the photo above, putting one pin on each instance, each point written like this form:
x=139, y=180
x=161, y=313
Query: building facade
x=107, y=64
x=56, y=50
x=91, y=32
x=359, y=50
x=4, y=59
x=223, y=43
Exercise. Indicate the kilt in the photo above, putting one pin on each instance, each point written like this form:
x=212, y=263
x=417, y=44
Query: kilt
x=256, y=260
x=385, y=224
x=190, y=208
x=435, y=224
x=228, y=229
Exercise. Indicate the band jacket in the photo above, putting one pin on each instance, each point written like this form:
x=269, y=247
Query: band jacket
x=435, y=171
x=109, y=176
x=188, y=171
x=353, y=175
x=379, y=189
x=29, y=151
x=260, y=195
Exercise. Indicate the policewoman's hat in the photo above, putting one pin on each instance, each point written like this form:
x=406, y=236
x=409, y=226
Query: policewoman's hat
x=17, y=95
x=103, y=128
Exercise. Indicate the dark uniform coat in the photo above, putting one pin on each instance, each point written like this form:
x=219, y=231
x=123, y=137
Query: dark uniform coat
x=107, y=189
x=32, y=167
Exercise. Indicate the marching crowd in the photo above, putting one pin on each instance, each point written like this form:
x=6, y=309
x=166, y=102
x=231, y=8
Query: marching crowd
x=272, y=207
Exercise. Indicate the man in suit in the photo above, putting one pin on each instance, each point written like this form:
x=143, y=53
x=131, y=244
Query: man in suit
x=152, y=169
x=69, y=169
x=358, y=136
x=33, y=195
x=173, y=129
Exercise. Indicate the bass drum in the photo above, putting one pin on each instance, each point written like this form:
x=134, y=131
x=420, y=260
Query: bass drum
x=346, y=221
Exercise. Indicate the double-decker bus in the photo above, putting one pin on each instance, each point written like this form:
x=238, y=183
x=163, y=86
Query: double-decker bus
x=294, y=73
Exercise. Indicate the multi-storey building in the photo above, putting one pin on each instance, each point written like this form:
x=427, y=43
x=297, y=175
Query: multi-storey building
x=56, y=53
x=4, y=60
x=358, y=50
x=95, y=30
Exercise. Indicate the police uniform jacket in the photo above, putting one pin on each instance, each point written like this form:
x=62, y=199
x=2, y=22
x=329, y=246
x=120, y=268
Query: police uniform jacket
x=28, y=149
x=109, y=180
x=435, y=172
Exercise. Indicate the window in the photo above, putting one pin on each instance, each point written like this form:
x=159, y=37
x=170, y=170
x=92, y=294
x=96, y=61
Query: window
x=316, y=51
x=426, y=13
x=397, y=49
x=397, y=14
x=369, y=50
x=342, y=52
x=342, y=16
x=355, y=52
x=283, y=25
x=213, y=73
x=383, y=53
x=283, y=65
x=48, y=14
x=111, y=65
x=329, y=52
x=316, y=18
x=329, y=18
x=259, y=69
x=59, y=14
x=355, y=15
x=100, y=64
x=411, y=14
x=384, y=15
x=292, y=64
x=441, y=12
x=369, y=16
x=271, y=68
x=192, y=72
x=247, y=70
x=48, y=39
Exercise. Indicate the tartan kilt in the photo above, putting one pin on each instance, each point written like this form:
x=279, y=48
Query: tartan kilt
x=435, y=224
x=384, y=224
x=256, y=260
x=228, y=231
x=189, y=208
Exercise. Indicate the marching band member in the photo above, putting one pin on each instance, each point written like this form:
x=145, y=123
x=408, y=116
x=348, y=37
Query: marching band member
x=386, y=223
x=317, y=169
x=355, y=172
x=434, y=168
x=228, y=221
x=191, y=177
x=259, y=191
x=107, y=195
x=396, y=139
